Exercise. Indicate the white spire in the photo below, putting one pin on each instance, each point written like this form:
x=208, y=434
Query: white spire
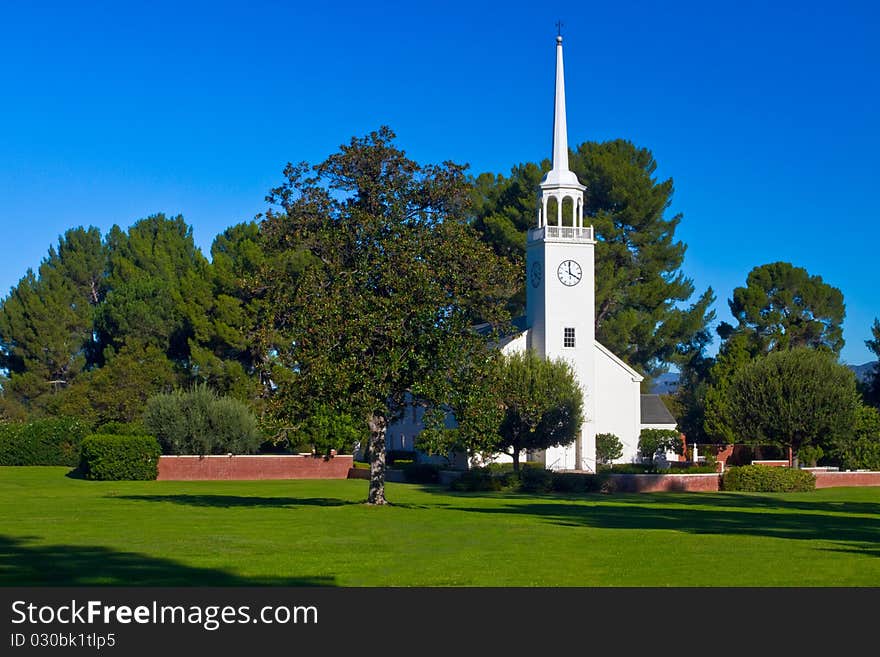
x=560, y=174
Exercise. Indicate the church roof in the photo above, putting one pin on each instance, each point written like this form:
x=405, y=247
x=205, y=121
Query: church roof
x=518, y=325
x=654, y=411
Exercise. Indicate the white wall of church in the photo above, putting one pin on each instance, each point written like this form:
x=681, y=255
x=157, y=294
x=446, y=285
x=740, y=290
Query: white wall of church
x=618, y=403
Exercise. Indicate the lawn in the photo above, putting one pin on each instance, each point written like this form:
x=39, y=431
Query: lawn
x=57, y=530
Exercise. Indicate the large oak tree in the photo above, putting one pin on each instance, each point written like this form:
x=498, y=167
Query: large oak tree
x=382, y=312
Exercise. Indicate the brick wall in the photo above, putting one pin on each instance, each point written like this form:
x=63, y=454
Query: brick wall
x=275, y=466
x=831, y=479
x=653, y=483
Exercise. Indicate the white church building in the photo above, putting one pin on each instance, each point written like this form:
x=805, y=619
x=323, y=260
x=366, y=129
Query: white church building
x=560, y=319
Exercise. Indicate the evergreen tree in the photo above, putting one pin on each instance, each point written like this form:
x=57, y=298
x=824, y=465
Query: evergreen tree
x=46, y=321
x=784, y=307
x=160, y=288
x=873, y=386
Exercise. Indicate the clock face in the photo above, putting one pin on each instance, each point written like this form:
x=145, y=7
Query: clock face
x=569, y=273
x=536, y=274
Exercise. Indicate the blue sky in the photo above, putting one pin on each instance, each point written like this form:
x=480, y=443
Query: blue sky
x=766, y=117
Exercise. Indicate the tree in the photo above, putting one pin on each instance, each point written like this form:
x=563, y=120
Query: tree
x=861, y=448
x=781, y=307
x=394, y=278
x=640, y=289
x=541, y=403
x=873, y=385
x=784, y=307
x=160, y=288
x=118, y=391
x=46, y=321
x=608, y=448
x=326, y=430
x=659, y=441
x=232, y=351
x=791, y=399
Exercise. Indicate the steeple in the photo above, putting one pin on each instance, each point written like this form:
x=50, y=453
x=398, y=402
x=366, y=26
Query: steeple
x=560, y=183
x=560, y=172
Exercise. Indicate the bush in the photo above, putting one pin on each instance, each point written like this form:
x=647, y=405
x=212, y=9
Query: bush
x=114, y=458
x=649, y=468
x=326, y=430
x=861, y=449
x=199, y=422
x=421, y=473
x=500, y=468
x=767, y=479
x=476, y=480
x=535, y=480
x=653, y=441
x=123, y=429
x=574, y=482
x=608, y=447
x=400, y=456
x=42, y=442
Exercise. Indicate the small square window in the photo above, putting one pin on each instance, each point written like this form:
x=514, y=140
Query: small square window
x=568, y=338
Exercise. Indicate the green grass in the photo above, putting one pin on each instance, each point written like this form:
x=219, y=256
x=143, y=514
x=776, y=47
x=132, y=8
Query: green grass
x=56, y=530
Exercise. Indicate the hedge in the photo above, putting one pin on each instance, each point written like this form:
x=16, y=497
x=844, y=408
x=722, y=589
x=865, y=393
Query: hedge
x=767, y=479
x=113, y=458
x=421, y=473
x=42, y=442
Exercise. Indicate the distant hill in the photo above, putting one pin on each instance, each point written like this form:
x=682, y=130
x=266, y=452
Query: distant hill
x=665, y=384
x=863, y=372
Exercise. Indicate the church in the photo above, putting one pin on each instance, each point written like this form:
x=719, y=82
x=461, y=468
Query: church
x=560, y=319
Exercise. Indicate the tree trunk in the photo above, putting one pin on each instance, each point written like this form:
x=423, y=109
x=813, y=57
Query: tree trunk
x=378, y=425
x=515, y=458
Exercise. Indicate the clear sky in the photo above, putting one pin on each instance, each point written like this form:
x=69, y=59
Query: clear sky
x=765, y=114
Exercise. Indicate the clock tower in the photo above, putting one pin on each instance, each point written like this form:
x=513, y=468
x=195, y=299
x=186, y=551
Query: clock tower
x=560, y=283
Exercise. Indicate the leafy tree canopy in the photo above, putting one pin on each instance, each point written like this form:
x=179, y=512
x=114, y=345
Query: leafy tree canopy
x=393, y=280
x=790, y=399
x=784, y=307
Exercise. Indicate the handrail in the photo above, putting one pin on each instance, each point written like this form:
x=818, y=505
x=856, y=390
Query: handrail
x=570, y=233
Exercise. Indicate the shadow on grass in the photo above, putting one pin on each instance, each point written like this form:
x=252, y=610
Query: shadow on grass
x=231, y=501
x=245, y=501
x=749, y=516
x=749, y=500
x=24, y=563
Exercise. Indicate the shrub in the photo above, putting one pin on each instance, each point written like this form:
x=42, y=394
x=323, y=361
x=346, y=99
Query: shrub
x=650, y=468
x=575, y=482
x=113, y=458
x=42, y=442
x=476, y=480
x=199, y=422
x=808, y=455
x=767, y=479
x=421, y=473
x=123, y=429
x=500, y=468
x=399, y=456
x=653, y=441
x=608, y=447
x=535, y=480
x=326, y=429
x=861, y=449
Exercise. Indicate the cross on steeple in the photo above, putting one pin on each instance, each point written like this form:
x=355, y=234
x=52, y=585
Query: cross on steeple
x=559, y=28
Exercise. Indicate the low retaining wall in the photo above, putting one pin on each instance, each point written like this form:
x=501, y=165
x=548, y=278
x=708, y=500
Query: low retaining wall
x=246, y=467
x=654, y=483
x=832, y=479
